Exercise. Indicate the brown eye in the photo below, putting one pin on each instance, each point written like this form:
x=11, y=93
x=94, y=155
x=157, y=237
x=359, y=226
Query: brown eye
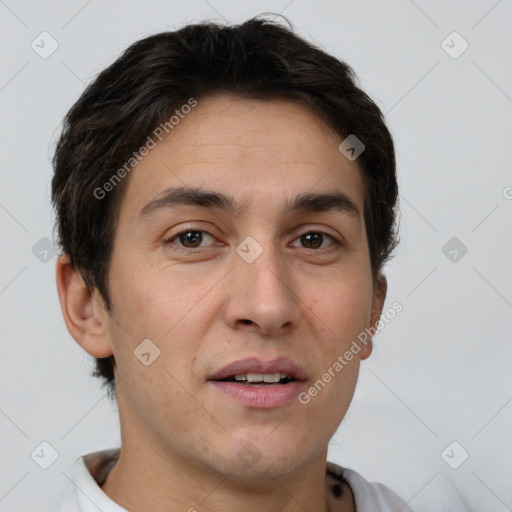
x=314, y=239
x=190, y=239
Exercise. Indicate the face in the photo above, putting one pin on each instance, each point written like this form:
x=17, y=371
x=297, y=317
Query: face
x=258, y=288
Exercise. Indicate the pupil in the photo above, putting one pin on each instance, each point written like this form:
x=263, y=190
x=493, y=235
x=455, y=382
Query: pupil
x=185, y=238
x=309, y=236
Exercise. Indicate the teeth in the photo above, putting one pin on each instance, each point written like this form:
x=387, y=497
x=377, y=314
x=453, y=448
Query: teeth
x=261, y=377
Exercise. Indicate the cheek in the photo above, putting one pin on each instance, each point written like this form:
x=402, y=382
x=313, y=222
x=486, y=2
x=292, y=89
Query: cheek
x=342, y=310
x=148, y=302
x=168, y=312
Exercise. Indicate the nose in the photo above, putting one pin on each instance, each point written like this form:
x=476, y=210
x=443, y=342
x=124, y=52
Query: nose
x=262, y=295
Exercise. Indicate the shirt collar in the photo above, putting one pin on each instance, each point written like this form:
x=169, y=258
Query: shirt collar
x=89, y=474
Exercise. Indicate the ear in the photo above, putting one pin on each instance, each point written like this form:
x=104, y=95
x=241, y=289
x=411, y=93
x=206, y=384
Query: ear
x=380, y=288
x=84, y=312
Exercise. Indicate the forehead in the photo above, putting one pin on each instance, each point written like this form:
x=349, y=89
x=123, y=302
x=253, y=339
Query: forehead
x=227, y=126
x=249, y=149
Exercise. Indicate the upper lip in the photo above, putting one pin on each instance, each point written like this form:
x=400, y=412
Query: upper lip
x=254, y=365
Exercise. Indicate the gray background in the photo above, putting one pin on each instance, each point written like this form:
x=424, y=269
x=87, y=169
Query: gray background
x=440, y=371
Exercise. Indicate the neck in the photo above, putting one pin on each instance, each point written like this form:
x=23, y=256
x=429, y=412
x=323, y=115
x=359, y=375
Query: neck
x=141, y=477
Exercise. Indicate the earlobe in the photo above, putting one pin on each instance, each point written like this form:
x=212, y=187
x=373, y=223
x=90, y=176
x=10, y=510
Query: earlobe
x=379, y=296
x=85, y=318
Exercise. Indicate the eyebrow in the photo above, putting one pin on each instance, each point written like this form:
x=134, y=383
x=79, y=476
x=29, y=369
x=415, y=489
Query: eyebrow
x=307, y=202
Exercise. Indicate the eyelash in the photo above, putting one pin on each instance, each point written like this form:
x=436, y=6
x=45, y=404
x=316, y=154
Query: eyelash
x=169, y=241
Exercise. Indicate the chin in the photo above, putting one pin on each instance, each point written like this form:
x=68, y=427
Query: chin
x=256, y=456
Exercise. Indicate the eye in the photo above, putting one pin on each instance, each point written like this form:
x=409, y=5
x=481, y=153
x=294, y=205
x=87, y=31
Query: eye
x=189, y=239
x=192, y=239
x=314, y=239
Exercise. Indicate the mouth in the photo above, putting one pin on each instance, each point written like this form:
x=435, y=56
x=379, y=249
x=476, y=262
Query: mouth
x=255, y=379
x=260, y=384
x=252, y=370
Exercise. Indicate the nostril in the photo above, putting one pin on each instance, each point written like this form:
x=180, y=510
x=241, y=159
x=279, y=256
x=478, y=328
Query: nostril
x=245, y=321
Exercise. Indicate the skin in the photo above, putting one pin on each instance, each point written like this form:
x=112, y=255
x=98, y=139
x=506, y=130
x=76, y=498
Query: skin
x=204, y=306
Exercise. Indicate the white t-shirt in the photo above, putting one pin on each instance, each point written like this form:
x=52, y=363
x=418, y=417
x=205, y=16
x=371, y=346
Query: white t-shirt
x=90, y=471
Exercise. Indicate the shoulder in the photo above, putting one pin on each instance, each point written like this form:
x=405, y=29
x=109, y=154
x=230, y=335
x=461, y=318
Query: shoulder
x=89, y=472
x=368, y=496
x=440, y=495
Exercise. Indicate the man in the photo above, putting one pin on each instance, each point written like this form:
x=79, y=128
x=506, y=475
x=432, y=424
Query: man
x=225, y=202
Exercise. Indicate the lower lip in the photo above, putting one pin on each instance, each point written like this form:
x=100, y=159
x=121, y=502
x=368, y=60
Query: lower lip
x=261, y=397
